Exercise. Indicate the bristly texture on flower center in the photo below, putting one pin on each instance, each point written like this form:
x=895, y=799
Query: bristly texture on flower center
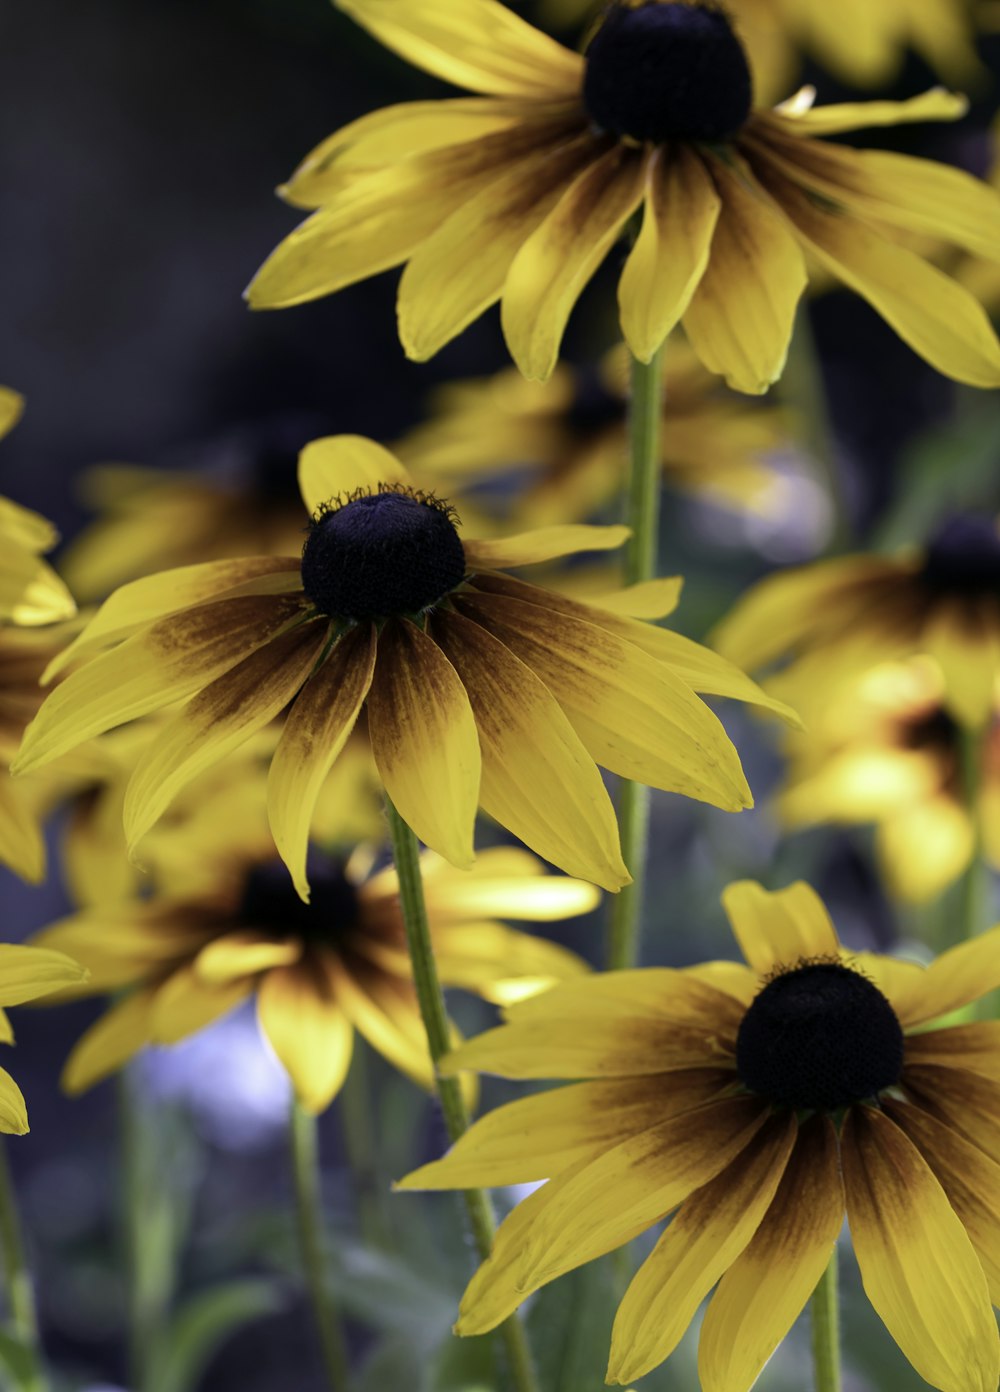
x=271, y=905
x=963, y=557
x=667, y=70
x=376, y=555
x=819, y=1037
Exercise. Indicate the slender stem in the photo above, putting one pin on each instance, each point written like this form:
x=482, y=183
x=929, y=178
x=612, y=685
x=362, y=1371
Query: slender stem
x=642, y=514
x=974, y=887
x=803, y=388
x=362, y=1150
x=20, y=1293
x=825, y=1310
x=146, y=1226
x=309, y=1212
x=456, y=1116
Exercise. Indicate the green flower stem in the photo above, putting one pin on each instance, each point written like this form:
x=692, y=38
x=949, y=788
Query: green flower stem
x=974, y=906
x=803, y=389
x=20, y=1295
x=309, y=1212
x=642, y=514
x=147, y=1237
x=825, y=1309
x=456, y=1116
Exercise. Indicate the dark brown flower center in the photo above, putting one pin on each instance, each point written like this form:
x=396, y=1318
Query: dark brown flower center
x=819, y=1037
x=963, y=557
x=666, y=70
x=270, y=904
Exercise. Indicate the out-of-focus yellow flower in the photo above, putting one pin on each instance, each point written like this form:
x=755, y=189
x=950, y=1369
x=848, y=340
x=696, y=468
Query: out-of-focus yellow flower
x=318, y=971
x=753, y=1104
x=558, y=450
x=478, y=688
x=25, y=974
x=850, y=613
x=883, y=748
x=30, y=591
x=519, y=194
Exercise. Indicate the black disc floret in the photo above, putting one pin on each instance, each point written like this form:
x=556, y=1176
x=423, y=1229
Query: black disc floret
x=383, y=554
x=667, y=70
x=819, y=1037
x=963, y=557
x=270, y=903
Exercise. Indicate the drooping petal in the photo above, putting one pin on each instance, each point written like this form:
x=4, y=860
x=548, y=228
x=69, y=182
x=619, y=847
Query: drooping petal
x=386, y=1013
x=918, y=1265
x=964, y=640
x=649, y=599
x=924, y=847
x=424, y=739
x=500, y=886
x=244, y=952
x=220, y=718
x=537, y=778
x=935, y=105
x=965, y=1102
x=6, y=1028
x=500, y=963
x=741, y=316
x=958, y=977
x=31, y=593
x=29, y=972
x=338, y=464
x=13, y=1113
x=315, y=732
x=299, y=1013
x=974, y=1048
x=185, y=1004
x=776, y=929
x=709, y=1232
x=600, y=1204
x=22, y=847
x=765, y=1289
x=117, y=1036
x=545, y=544
x=11, y=410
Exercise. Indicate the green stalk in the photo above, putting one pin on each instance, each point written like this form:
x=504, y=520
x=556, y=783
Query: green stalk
x=147, y=1235
x=825, y=1309
x=309, y=1212
x=642, y=514
x=802, y=387
x=20, y=1294
x=974, y=886
x=482, y=1219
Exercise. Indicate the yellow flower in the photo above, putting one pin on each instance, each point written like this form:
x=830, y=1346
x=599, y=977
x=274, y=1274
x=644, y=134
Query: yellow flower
x=752, y=1102
x=319, y=972
x=478, y=688
x=568, y=435
x=848, y=614
x=30, y=591
x=25, y=974
x=519, y=195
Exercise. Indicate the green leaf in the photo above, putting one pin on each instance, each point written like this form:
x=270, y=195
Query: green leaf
x=202, y=1324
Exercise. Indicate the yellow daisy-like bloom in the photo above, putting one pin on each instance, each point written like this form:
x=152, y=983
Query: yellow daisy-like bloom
x=883, y=748
x=30, y=591
x=568, y=435
x=848, y=614
x=753, y=1103
x=319, y=971
x=518, y=196
x=25, y=974
x=478, y=688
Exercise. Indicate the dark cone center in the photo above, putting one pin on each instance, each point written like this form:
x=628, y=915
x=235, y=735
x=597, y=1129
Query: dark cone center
x=667, y=71
x=593, y=407
x=382, y=555
x=963, y=557
x=271, y=905
x=819, y=1037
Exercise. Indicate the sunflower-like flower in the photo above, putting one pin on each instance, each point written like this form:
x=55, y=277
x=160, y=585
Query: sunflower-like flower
x=830, y=617
x=883, y=748
x=753, y=1103
x=318, y=971
x=568, y=437
x=478, y=688
x=518, y=195
x=26, y=973
x=30, y=591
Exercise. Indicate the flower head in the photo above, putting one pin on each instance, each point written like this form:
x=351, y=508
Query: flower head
x=477, y=688
x=519, y=194
x=753, y=1104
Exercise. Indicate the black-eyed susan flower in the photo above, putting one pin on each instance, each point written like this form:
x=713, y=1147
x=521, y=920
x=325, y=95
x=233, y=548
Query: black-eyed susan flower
x=30, y=591
x=318, y=971
x=477, y=688
x=883, y=748
x=26, y=973
x=753, y=1104
x=559, y=448
x=942, y=599
x=519, y=194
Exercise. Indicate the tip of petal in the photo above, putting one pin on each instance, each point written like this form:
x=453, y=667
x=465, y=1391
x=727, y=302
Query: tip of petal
x=21, y=1129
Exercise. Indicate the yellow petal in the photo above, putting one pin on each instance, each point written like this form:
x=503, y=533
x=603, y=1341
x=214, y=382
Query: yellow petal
x=501, y=964
x=559, y=258
x=220, y=718
x=6, y=1028
x=710, y=1231
x=741, y=316
x=315, y=732
x=958, y=977
x=671, y=251
x=964, y=640
x=11, y=410
x=120, y=1033
x=386, y=1013
x=165, y=662
x=94, y=854
x=777, y=929
x=934, y=105
x=313, y=1038
x=29, y=972
x=537, y=778
x=545, y=544
x=974, y=1048
x=185, y=1004
x=244, y=953
x=478, y=44
x=765, y=1289
x=13, y=1113
x=338, y=464
x=501, y=887
x=924, y=848
x=966, y=1102
x=21, y=844
x=650, y=599
x=424, y=739
x=918, y=1266
x=30, y=591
